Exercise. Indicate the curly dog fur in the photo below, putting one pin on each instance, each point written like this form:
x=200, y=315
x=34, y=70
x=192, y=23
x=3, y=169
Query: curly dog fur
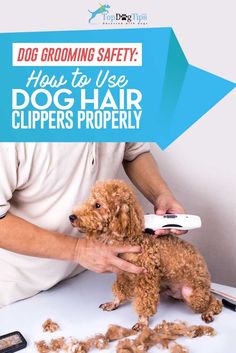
x=112, y=215
x=164, y=335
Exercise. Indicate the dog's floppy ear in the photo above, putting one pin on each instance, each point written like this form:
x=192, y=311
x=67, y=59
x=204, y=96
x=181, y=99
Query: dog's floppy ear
x=131, y=218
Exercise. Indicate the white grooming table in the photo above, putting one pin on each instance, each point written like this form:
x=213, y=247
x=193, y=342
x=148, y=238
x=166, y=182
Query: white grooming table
x=73, y=304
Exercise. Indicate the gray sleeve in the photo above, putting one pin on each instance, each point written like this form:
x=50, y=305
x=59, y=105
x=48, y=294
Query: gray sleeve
x=8, y=175
x=134, y=149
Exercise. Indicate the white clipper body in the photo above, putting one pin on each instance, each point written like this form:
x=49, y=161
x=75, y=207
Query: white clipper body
x=172, y=221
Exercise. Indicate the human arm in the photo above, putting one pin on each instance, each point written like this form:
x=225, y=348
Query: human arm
x=144, y=173
x=20, y=236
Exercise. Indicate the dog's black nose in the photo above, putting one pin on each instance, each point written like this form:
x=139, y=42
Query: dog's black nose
x=72, y=217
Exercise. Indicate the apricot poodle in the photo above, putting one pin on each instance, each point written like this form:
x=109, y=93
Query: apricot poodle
x=112, y=215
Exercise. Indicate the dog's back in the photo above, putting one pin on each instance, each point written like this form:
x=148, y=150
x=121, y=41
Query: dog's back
x=179, y=260
x=176, y=259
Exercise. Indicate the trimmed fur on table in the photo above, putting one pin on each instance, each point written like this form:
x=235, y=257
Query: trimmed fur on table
x=50, y=326
x=163, y=336
x=74, y=345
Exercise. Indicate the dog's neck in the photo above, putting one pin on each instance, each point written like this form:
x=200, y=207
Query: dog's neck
x=110, y=238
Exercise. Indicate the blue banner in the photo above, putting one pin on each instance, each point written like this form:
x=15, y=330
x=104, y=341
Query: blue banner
x=101, y=86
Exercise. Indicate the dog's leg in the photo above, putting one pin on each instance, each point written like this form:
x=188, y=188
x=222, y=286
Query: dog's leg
x=214, y=308
x=123, y=290
x=110, y=305
x=202, y=301
x=91, y=18
x=147, y=297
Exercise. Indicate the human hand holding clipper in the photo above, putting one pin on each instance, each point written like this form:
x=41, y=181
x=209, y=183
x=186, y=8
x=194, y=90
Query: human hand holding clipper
x=167, y=204
x=171, y=222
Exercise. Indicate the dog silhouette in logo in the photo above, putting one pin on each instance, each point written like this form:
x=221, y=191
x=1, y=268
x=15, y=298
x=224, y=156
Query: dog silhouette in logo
x=100, y=10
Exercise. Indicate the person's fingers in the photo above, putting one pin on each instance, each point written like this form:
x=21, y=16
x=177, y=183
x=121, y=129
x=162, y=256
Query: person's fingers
x=161, y=206
x=105, y=269
x=178, y=232
x=124, y=249
x=115, y=269
x=161, y=210
x=126, y=266
x=160, y=232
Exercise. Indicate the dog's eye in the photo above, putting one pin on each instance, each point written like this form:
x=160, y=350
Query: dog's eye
x=97, y=205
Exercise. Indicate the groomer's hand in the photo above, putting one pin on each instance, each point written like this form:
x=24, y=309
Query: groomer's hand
x=102, y=258
x=166, y=203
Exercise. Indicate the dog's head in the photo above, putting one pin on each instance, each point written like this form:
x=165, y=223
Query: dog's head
x=112, y=212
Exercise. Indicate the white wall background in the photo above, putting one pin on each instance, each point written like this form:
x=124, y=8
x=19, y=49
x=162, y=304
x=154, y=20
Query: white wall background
x=200, y=167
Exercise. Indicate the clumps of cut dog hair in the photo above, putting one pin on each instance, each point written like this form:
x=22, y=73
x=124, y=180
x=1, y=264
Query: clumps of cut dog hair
x=71, y=344
x=112, y=215
x=164, y=335
x=50, y=326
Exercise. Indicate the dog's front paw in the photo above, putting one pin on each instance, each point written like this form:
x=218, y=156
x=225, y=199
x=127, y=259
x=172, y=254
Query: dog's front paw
x=139, y=326
x=208, y=317
x=142, y=323
x=109, y=306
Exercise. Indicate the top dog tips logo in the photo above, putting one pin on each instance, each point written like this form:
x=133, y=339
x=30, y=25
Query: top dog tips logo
x=117, y=18
x=103, y=9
